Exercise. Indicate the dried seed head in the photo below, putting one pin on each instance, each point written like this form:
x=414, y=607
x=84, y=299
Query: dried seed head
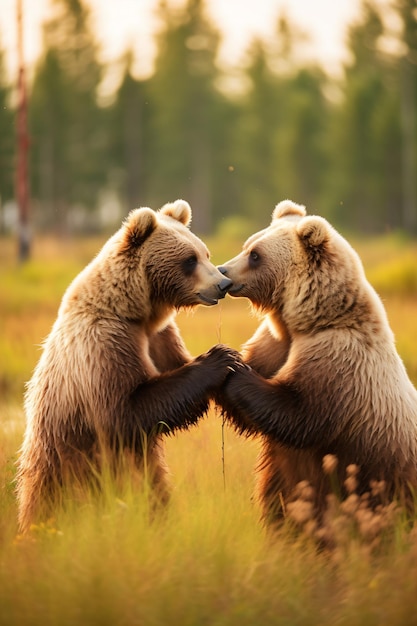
x=350, y=505
x=300, y=511
x=329, y=463
x=352, y=469
x=377, y=487
x=351, y=484
x=304, y=490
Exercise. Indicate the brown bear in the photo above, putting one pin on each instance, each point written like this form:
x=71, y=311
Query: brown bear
x=115, y=374
x=326, y=377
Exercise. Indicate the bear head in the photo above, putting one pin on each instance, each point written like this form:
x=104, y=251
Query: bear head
x=298, y=269
x=155, y=264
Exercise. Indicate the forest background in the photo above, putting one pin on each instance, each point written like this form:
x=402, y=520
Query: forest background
x=232, y=143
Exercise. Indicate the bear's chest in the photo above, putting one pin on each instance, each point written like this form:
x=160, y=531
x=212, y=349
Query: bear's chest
x=146, y=365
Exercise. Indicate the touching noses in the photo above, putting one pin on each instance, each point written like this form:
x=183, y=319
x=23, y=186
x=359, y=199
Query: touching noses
x=225, y=282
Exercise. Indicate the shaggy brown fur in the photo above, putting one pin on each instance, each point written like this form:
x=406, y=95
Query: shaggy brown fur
x=114, y=373
x=326, y=377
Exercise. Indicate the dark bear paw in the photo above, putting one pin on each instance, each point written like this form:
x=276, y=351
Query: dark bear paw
x=222, y=362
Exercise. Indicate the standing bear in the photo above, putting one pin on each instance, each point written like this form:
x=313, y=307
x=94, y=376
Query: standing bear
x=325, y=377
x=115, y=374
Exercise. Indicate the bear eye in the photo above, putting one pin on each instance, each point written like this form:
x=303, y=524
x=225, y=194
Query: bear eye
x=189, y=264
x=254, y=258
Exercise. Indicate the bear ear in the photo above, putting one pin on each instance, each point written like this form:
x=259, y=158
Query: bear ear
x=139, y=224
x=313, y=231
x=287, y=208
x=179, y=210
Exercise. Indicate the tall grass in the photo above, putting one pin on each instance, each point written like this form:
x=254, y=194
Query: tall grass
x=206, y=559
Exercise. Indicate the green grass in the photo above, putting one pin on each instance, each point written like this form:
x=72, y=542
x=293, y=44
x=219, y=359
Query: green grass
x=206, y=560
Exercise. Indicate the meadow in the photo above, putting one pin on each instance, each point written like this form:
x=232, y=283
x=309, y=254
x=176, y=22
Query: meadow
x=206, y=559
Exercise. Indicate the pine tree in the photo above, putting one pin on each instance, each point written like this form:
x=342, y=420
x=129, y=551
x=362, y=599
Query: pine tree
x=183, y=99
x=366, y=145
x=283, y=126
x=128, y=122
x=65, y=119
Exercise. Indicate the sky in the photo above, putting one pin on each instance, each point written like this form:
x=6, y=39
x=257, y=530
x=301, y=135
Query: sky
x=123, y=23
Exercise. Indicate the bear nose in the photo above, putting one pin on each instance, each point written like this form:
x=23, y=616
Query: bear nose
x=224, y=284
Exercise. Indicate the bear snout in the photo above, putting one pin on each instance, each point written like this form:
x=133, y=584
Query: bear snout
x=232, y=288
x=215, y=292
x=224, y=285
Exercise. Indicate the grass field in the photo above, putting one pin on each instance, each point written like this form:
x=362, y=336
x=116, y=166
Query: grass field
x=207, y=560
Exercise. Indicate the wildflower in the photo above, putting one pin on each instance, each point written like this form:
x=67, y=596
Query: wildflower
x=377, y=487
x=351, y=484
x=329, y=463
x=300, y=511
x=352, y=469
x=370, y=524
x=304, y=490
x=350, y=505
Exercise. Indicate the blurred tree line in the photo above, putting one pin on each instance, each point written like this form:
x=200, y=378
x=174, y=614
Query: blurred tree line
x=345, y=148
